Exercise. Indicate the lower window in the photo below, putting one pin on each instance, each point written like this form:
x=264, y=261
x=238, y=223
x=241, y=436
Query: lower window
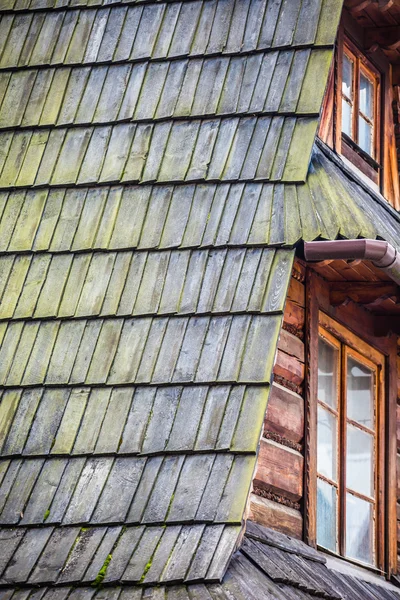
x=349, y=446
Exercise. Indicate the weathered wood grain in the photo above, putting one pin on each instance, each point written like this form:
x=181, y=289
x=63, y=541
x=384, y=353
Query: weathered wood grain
x=280, y=469
x=276, y=516
x=285, y=414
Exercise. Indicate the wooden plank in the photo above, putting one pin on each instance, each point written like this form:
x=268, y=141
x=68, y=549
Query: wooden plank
x=398, y=476
x=398, y=376
x=289, y=368
x=291, y=344
x=398, y=428
x=294, y=315
x=285, y=414
x=296, y=292
x=280, y=470
x=276, y=516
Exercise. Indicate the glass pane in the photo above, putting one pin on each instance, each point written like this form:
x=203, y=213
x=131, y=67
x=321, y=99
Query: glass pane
x=327, y=436
x=359, y=461
x=347, y=77
x=327, y=373
x=360, y=393
x=326, y=515
x=346, y=118
x=359, y=529
x=366, y=96
x=365, y=135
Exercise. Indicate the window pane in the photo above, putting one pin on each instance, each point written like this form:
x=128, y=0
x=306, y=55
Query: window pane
x=360, y=393
x=359, y=529
x=326, y=515
x=365, y=135
x=359, y=461
x=366, y=96
x=327, y=436
x=327, y=373
x=347, y=77
x=346, y=118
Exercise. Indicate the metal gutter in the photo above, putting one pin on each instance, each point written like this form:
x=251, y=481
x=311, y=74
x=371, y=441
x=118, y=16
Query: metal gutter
x=380, y=253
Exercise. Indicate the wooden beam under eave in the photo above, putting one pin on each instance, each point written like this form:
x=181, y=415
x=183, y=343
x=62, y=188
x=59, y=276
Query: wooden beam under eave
x=364, y=292
x=386, y=37
x=359, y=6
x=384, y=5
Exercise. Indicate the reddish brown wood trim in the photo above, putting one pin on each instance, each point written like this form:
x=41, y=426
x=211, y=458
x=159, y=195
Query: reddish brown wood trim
x=391, y=463
x=310, y=434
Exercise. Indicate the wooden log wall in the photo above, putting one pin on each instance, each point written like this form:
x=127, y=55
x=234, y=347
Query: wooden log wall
x=277, y=496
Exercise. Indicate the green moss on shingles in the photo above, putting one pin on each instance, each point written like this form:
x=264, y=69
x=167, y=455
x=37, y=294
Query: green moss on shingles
x=46, y=515
x=102, y=573
x=146, y=569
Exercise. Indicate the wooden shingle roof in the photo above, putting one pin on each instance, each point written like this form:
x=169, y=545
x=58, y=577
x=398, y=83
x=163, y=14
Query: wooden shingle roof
x=152, y=156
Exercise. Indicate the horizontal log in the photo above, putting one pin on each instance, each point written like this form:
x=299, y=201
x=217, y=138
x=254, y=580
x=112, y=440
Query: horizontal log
x=285, y=414
x=294, y=315
x=291, y=344
x=398, y=477
x=398, y=427
x=289, y=368
x=398, y=377
x=297, y=292
x=280, y=470
x=276, y=516
x=299, y=268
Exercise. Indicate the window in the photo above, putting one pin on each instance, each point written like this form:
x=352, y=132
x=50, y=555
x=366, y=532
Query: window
x=349, y=446
x=358, y=119
x=359, y=102
x=358, y=86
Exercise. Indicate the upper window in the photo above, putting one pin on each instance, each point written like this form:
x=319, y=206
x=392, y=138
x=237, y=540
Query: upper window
x=359, y=102
x=359, y=88
x=359, y=118
x=349, y=450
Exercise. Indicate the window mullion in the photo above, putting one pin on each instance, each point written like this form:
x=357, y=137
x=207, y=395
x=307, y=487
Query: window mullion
x=356, y=105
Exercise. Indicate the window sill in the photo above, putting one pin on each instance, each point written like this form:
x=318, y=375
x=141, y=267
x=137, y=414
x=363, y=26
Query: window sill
x=360, y=175
x=364, y=572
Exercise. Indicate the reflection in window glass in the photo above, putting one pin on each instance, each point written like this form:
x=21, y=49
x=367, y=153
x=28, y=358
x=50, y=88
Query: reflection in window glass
x=327, y=373
x=366, y=96
x=347, y=77
x=346, y=118
x=326, y=515
x=359, y=461
x=360, y=393
x=365, y=135
x=326, y=435
x=359, y=529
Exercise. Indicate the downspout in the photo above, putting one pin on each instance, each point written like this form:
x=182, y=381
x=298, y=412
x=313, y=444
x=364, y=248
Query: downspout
x=380, y=253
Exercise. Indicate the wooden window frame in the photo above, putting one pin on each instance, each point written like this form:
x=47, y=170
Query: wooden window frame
x=346, y=327
x=348, y=344
x=330, y=129
x=369, y=165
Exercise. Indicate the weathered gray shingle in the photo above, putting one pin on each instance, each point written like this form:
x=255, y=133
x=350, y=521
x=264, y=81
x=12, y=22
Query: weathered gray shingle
x=264, y=148
x=265, y=83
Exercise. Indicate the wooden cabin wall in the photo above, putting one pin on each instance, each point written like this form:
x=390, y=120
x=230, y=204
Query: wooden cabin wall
x=277, y=496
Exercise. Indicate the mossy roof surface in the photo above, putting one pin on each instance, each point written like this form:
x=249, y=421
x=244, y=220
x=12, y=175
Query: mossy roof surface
x=151, y=154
